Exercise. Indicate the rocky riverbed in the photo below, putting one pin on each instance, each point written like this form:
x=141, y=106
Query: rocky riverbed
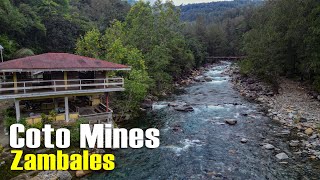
x=209, y=131
x=293, y=106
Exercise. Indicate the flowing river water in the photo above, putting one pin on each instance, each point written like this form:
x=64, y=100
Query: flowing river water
x=199, y=145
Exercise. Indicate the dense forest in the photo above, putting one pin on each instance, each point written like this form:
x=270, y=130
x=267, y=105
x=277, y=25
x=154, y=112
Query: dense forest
x=283, y=40
x=163, y=42
x=214, y=11
x=219, y=25
x=37, y=26
x=151, y=40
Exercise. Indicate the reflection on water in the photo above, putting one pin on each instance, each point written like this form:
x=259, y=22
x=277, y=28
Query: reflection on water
x=199, y=145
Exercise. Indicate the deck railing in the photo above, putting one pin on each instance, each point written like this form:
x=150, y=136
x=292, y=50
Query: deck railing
x=59, y=85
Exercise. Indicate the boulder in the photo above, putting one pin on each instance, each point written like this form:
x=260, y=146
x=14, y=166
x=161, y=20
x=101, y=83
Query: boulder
x=303, y=120
x=244, y=114
x=197, y=79
x=82, y=173
x=231, y=121
x=173, y=104
x=270, y=93
x=208, y=79
x=244, y=140
x=185, y=108
x=268, y=146
x=308, y=131
x=282, y=156
x=147, y=104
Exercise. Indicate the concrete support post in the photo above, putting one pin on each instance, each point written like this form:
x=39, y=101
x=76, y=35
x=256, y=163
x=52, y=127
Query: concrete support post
x=66, y=106
x=15, y=84
x=17, y=106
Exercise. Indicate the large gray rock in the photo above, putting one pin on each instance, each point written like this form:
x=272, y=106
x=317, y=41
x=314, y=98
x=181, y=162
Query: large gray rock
x=208, y=79
x=82, y=173
x=185, y=108
x=282, y=156
x=147, y=104
x=231, y=121
x=268, y=146
x=244, y=140
x=175, y=104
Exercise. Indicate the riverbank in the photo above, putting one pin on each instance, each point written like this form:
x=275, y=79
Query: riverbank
x=293, y=106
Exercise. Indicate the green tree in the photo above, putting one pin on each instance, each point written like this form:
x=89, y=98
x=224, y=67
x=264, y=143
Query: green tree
x=112, y=49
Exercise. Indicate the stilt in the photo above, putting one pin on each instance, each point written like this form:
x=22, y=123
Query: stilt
x=66, y=106
x=17, y=106
x=107, y=102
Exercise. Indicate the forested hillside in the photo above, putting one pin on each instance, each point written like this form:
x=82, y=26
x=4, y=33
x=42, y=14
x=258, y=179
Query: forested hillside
x=283, y=40
x=214, y=11
x=52, y=25
x=219, y=25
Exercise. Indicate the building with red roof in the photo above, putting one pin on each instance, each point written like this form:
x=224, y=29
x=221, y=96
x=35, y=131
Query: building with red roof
x=39, y=83
x=59, y=62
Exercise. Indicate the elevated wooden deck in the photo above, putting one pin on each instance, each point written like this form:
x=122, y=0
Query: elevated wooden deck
x=42, y=88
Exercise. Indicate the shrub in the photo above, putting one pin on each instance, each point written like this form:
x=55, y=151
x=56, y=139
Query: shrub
x=45, y=119
x=316, y=83
x=1, y=148
x=53, y=115
x=9, y=112
x=38, y=125
x=8, y=121
x=245, y=66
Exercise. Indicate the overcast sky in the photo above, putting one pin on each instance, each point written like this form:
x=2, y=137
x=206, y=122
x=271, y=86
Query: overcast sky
x=179, y=2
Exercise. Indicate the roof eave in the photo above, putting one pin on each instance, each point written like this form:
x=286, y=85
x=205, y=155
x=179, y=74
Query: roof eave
x=61, y=69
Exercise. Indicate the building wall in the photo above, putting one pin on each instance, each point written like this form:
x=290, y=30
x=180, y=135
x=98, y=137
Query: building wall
x=59, y=117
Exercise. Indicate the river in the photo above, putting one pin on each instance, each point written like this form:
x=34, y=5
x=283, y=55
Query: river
x=199, y=145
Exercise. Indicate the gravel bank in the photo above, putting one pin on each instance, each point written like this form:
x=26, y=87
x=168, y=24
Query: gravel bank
x=293, y=106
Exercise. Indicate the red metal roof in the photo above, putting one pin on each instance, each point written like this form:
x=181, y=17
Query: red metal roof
x=59, y=61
